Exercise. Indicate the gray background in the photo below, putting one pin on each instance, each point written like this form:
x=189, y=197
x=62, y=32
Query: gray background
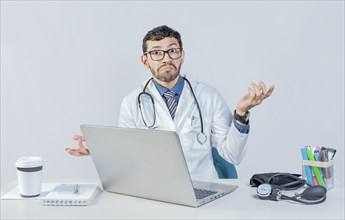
x=68, y=63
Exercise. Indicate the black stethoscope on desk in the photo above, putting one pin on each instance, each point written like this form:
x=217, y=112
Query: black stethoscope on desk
x=201, y=137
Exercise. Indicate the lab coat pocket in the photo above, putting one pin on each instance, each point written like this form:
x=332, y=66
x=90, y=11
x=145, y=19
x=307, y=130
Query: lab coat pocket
x=192, y=125
x=189, y=133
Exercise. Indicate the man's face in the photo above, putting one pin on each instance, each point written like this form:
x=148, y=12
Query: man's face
x=164, y=71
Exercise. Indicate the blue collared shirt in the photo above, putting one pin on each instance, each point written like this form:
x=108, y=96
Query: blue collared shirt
x=178, y=90
x=178, y=87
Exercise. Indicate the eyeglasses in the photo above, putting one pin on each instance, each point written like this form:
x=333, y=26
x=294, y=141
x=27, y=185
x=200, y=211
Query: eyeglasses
x=158, y=55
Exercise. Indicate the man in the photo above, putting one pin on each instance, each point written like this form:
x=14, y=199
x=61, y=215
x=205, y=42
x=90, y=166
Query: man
x=195, y=110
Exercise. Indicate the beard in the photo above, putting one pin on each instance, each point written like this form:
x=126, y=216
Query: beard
x=168, y=75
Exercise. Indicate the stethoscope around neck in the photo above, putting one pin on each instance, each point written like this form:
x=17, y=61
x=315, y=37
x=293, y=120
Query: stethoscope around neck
x=201, y=137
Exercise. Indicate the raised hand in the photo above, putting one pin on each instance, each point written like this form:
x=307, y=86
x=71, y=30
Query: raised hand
x=255, y=95
x=81, y=150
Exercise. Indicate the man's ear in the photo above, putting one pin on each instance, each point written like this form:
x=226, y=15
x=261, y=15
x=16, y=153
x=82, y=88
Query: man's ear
x=144, y=61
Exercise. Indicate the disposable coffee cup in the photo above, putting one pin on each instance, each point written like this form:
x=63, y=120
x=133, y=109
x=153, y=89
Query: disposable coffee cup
x=29, y=172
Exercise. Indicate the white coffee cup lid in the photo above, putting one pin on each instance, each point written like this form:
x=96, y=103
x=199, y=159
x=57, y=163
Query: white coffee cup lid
x=29, y=161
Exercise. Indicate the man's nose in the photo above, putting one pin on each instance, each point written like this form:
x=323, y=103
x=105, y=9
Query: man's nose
x=166, y=57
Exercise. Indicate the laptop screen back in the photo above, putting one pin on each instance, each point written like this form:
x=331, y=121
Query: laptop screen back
x=140, y=162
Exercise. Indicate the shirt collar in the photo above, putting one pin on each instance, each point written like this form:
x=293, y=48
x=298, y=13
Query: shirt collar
x=177, y=88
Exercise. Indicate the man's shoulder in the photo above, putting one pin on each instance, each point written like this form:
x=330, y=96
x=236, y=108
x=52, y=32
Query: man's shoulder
x=203, y=87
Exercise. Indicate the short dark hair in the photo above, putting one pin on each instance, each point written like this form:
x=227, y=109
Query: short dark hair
x=160, y=33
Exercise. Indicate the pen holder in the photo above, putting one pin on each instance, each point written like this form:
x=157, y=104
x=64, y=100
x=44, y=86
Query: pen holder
x=318, y=173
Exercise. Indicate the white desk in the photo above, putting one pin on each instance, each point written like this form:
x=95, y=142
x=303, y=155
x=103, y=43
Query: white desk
x=241, y=204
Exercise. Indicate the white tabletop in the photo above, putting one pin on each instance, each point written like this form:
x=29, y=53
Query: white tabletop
x=241, y=204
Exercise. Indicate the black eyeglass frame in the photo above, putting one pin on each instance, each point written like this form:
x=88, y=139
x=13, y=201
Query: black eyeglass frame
x=165, y=52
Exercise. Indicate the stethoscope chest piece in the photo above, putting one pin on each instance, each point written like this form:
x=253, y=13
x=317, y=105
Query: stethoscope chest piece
x=202, y=138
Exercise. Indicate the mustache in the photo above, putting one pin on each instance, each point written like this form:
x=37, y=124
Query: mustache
x=166, y=65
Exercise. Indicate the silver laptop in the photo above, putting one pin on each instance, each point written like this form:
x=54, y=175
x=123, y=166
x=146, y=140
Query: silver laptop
x=147, y=164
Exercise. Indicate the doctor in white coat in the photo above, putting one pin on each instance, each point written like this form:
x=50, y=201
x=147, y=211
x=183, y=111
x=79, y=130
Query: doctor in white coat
x=195, y=110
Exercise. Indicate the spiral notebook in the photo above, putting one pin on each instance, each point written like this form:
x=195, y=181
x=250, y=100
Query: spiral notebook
x=71, y=195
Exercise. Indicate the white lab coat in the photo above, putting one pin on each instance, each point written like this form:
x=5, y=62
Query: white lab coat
x=217, y=119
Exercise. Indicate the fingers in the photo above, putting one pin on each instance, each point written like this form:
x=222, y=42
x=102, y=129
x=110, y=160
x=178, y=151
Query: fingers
x=81, y=150
x=73, y=152
x=255, y=95
x=252, y=92
x=259, y=91
x=263, y=87
x=77, y=152
x=77, y=137
x=255, y=91
x=270, y=91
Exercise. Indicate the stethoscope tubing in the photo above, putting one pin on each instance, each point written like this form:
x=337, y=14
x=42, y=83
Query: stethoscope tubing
x=202, y=134
x=197, y=105
x=153, y=103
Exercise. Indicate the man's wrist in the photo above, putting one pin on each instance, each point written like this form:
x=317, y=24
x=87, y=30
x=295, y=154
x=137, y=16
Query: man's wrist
x=241, y=112
x=241, y=118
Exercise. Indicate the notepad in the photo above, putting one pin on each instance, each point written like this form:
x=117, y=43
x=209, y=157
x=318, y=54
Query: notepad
x=71, y=195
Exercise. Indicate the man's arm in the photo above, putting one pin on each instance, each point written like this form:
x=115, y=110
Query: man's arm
x=231, y=140
x=126, y=115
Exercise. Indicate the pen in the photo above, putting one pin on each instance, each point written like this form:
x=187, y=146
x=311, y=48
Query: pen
x=316, y=171
x=76, y=189
x=317, y=155
x=324, y=158
x=333, y=151
x=307, y=168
